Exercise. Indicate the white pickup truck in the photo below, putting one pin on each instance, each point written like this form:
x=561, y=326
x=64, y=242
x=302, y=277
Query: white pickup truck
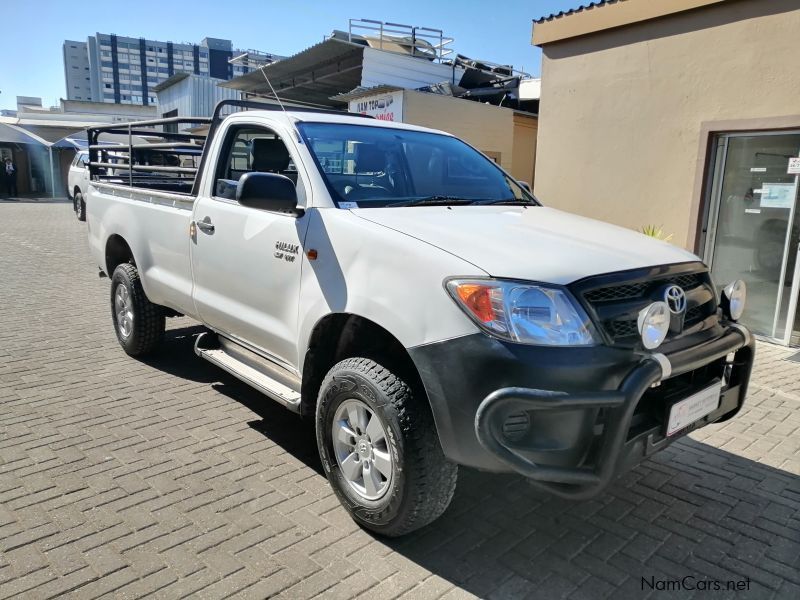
x=402, y=290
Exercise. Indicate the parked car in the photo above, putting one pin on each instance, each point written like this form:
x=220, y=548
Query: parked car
x=77, y=183
x=423, y=308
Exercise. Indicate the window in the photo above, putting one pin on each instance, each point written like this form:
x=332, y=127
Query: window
x=247, y=150
x=108, y=86
x=377, y=166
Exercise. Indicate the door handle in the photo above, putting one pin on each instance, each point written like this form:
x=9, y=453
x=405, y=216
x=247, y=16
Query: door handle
x=206, y=226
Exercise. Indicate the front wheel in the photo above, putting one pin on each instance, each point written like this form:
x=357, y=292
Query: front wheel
x=380, y=450
x=139, y=323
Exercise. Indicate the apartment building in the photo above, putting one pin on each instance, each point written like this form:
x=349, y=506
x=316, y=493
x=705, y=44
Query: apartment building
x=125, y=70
x=77, y=71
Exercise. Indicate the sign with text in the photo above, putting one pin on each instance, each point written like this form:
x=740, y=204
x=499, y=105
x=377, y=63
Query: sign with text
x=385, y=107
x=794, y=166
x=778, y=195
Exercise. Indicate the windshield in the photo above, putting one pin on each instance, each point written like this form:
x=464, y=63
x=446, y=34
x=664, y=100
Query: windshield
x=367, y=166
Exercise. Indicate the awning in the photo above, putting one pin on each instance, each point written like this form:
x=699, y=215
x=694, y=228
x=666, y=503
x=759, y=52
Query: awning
x=11, y=134
x=79, y=141
x=365, y=92
x=311, y=76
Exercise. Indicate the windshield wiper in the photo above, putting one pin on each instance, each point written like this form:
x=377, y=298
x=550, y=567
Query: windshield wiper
x=432, y=201
x=522, y=201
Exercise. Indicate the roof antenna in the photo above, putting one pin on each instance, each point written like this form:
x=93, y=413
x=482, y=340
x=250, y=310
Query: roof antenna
x=269, y=83
x=244, y=59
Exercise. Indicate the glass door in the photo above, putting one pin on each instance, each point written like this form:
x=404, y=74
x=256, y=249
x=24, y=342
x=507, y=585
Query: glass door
x=753, y=231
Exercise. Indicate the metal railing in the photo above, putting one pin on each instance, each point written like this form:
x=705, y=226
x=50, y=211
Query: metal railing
x=169, y=161
x=133, y=163
x=424, y=42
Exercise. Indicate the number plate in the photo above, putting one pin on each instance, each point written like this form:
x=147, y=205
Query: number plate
x=694, y=407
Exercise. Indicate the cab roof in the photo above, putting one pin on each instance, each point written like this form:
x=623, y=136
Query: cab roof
x=291, y=117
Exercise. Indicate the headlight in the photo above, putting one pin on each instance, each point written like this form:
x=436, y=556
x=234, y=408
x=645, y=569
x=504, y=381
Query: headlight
x=653, y=324
x=734, y=297
x=523, y=313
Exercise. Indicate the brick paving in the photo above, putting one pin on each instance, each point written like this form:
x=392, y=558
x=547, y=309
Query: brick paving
x=122, y=478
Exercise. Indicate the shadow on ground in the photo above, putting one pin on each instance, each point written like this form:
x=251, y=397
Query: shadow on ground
x=283, y=427
x=692, y=510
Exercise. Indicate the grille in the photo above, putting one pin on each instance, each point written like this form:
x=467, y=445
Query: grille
x=695, y=314
x=516, y=426
x=617, y=292
x=632, y=291
x=622, y=326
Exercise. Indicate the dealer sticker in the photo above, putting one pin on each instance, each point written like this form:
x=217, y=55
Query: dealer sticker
x=694, y=407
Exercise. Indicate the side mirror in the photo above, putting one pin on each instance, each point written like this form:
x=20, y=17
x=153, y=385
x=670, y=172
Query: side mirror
x=525, y=184
x=268, y=191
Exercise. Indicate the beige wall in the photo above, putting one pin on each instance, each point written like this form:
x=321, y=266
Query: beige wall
x=523, y=157
x=489, y=128
x=624, y=112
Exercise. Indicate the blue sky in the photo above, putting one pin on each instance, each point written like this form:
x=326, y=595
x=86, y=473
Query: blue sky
x=495, y=31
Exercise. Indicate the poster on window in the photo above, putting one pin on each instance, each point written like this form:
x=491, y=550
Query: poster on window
x=778, y=195
x=385, y=107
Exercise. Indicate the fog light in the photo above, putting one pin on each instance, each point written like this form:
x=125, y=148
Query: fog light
x=654, y=324
x=734, y=297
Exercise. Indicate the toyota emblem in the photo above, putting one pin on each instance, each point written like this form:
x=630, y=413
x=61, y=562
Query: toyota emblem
x=675, y=298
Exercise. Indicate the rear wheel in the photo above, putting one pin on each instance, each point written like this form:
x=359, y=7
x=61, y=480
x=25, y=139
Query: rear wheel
x=380, y=450
x=138, y=323
x=80, y=206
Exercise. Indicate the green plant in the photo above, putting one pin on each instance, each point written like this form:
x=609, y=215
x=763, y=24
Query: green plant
x=655, y=231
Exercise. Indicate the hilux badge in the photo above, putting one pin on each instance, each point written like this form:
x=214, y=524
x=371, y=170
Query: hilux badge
x=675, y=298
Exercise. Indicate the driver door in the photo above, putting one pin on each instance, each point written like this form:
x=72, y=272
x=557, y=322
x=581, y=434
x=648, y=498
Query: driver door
x=246, y=261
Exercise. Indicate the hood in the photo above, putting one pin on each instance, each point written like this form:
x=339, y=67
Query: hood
x=534, y=243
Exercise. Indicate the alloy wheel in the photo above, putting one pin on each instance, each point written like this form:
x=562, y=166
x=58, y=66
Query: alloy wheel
x=361, y=447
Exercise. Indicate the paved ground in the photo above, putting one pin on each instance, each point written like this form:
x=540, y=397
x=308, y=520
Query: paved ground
x=126, y=478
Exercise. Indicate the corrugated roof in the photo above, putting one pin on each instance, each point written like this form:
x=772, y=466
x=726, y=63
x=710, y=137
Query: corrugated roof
x=572, y=11
x=313, y=75
x=364, y=91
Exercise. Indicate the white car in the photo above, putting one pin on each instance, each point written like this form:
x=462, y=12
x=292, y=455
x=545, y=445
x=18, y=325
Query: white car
x=401, y=289
x=78, y=182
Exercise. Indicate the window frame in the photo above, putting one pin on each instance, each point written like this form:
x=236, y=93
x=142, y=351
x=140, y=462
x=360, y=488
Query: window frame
x=223, y=161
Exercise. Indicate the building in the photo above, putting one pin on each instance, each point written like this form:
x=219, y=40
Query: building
x=190, y=95
x=125, y=70
x=43, y=140
x=505, y=135
x=77, y=71
x=685, y=115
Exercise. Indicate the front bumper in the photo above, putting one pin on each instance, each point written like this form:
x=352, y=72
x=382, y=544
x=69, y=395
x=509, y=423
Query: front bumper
x=571, y=419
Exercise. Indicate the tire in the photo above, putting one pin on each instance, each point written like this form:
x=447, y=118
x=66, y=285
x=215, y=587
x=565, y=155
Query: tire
x=420, y=482
x=141, y=329
x=80, y=207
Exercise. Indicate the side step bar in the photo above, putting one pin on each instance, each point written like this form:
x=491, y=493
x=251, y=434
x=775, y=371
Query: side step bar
x=255, y=370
